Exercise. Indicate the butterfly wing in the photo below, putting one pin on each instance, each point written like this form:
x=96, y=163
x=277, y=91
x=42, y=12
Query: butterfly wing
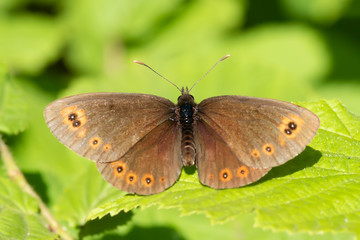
x=151, y=165
x=218, y=167
x=104, y=126
x=262, y=133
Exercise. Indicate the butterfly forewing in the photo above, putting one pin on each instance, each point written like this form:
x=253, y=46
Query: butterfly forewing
x=149, y=167
x=104, y=126
x=262, y=133
x=218, y=167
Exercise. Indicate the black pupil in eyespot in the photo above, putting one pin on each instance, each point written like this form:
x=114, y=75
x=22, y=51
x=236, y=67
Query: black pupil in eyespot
x=76, y=124
x=72, y=117
x=292, y=125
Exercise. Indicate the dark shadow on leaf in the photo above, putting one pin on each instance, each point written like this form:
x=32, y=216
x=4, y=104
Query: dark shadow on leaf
x=107, y=223
x=190, y=170
x=151, y=233
x=38, y=184
x=307, y=158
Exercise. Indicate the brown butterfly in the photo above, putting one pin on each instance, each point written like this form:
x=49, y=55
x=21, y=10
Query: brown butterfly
x=140, y=142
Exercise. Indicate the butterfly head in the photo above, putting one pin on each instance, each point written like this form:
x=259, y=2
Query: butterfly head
x=185, y=98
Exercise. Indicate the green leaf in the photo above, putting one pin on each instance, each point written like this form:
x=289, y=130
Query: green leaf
x=29, y=42
x=313, y=192
x=87, y=191
x=321, y=11
x=96, y=41
x=13, y=105
x=19, y=218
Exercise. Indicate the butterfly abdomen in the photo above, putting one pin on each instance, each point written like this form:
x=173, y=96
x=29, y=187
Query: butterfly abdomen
x=188, y=149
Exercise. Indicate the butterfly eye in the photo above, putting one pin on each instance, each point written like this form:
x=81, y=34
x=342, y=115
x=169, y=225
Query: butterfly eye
x=192, y=97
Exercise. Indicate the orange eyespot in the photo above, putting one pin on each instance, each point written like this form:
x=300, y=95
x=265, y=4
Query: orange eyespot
x=131, y=178
x=73, y=118
x=148, y=180
x=119, y=168
x=291, y=125
x=242, y=172
x=162, y=179
x=107, y=147
x=95, y=142
x=225, y=175
x=255, y=153
x=268, y=149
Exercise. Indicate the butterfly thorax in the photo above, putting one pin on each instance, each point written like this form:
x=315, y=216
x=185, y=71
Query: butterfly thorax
x=186, y=116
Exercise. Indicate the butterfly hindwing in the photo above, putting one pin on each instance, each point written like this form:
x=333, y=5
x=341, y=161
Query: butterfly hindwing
x=218, y=167
x=151, y=165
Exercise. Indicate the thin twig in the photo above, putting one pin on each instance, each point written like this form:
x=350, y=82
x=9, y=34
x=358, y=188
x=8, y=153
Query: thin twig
x=16, y=175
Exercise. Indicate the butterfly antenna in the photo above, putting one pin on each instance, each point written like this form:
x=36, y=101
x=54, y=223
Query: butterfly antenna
x=141, y=63
x=221, y=59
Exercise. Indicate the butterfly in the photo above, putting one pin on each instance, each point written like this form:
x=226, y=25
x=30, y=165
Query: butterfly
x=140, y=142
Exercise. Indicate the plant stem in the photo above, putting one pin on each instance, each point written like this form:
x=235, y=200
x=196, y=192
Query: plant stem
x=16, y=175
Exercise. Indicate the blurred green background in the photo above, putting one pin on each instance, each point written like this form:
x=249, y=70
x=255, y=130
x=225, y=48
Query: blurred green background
x=286, y=49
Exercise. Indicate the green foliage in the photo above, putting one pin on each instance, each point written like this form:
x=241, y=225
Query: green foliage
x=320, y=11
x=19, y=217
x=87, y=192
x=289, y=50
x=36, y=39
x=13, y=105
